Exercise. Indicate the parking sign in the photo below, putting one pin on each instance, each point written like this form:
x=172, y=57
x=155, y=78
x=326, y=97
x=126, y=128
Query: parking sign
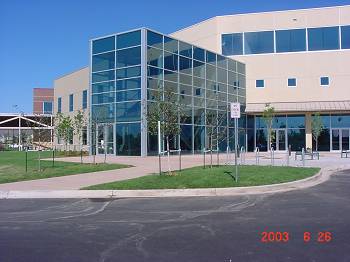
x=235, y=110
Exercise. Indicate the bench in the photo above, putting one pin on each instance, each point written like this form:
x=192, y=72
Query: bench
x=311, y=154
x=345, y=153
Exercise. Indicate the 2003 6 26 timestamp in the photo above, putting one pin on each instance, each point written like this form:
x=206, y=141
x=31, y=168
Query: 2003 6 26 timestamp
x=285, y=236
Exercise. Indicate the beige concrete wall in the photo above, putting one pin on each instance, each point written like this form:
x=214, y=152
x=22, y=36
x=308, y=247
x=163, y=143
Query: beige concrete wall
x=73, y=83
x=275, y=69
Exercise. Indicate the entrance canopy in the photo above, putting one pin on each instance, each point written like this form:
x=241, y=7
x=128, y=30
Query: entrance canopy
x=313, y=106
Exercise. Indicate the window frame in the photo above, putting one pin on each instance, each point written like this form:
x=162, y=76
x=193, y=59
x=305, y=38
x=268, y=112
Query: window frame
x=258, y=81
x=292, y=78
x=328, y=80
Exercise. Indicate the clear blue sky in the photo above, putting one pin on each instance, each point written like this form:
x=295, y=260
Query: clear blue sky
x=41, y=40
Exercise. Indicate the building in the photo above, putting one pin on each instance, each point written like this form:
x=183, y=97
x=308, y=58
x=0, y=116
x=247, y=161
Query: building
x=298, y=61
x=72, y=95
x=43, y=100
x=295, y=60
x=129, y=69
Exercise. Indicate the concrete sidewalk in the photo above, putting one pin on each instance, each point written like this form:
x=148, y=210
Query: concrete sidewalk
x=319, y=178
x=147, y=165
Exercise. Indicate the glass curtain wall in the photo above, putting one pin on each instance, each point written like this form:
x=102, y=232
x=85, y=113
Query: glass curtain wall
x=204, y=83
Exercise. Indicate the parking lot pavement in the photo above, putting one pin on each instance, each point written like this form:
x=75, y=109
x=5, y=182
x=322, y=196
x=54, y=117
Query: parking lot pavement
x=182, y=229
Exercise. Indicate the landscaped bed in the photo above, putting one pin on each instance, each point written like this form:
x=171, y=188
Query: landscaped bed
x=13, y=166
x=216, y=177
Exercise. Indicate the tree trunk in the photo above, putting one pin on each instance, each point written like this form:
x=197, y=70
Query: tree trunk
x=168, y=153
x=39, y=154
x=211, y=150
x=316, y=143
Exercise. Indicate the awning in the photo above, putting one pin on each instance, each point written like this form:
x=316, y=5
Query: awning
x=313, y=106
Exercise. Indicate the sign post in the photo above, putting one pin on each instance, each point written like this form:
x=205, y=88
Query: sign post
x=236, y=114
x=159, y=149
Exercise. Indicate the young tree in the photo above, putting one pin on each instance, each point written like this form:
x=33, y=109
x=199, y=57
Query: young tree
x=64, y=128
x=167, y=110
x=268, y=116
x=215, y=122
x=79, y=122
x=316, y=127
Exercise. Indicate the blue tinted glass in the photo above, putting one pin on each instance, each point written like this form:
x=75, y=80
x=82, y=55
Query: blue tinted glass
x=132, y=83
x=290, y=40
x=103, y=87
x=170, y=44
x=324, y=81
x=71, y=103
x=129, y=39
x=260, y=83
x=103, y=62
x=128, y=72
x=103, y=113
x=340, y=121
x=297, y=121
x=155, y=57
x=211, y=57
x=129, y=57
x=59, y=105
x=103, y=98
x=221, y=61
x=47, y=106
x=199, y=54
x=170, y=61
x=232, y=44
x=154, y=39
x=226, y=44
x=103, y=45
x=185, y=49
x=129, y=111
x=185, y=65
x=345, y=37
x=103, y=76
x=292, y=82
x=154, y=72
x=128, y=95
x=258, y=42
x=324, y=38
x=128, y=139
x=84, y=103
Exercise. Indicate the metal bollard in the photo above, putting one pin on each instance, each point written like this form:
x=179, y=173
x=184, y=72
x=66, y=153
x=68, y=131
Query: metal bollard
x=303, y=156
x=257, y=150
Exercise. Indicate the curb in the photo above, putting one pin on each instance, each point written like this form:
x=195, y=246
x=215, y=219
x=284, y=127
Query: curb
x=322, y=176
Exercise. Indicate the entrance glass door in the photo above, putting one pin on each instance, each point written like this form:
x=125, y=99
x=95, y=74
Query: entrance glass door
x=340, y=139
x=278, y=139
x=105, y=139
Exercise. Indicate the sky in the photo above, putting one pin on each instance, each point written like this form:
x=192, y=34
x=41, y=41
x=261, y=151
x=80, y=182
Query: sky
x=41, y=40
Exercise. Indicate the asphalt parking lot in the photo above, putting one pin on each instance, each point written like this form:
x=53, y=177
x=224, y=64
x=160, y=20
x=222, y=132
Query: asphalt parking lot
x=182, y=229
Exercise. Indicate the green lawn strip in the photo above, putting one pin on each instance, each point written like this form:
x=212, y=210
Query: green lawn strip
x=216, y=177
x=12, y=167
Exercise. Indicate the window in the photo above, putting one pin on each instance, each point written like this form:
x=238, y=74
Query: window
x=260, y=83
x=84, y=103
x=103, y=76
x=103, y=45
x=232, y=44
x=84, y=136
x=324, y=81
x=59, y=105
x=129, y=57
x=129, y=39
x=154, y=39
x=290, y=40
x=292, y=82
x=170, y=45
x=71, y=103
x=259, y=42
x=324, y=38
x=345, y=37
x=103, y=62
x=185, y=49
x=47, y=107
x=199, y=54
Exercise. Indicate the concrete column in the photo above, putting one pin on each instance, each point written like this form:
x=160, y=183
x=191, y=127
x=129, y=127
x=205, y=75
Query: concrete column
x=308, y=130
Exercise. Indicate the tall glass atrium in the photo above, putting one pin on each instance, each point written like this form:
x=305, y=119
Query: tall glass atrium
x=129, y=69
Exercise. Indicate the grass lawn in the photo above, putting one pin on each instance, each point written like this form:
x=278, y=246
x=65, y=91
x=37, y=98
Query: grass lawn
x=215, y=177
x=12, y=166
